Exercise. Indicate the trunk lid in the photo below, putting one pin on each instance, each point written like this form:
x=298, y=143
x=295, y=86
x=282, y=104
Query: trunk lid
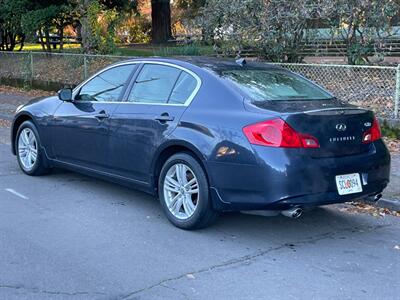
x=339, y=127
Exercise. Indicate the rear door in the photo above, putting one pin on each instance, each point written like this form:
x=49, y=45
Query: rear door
x=80, y=129
x=154, y=104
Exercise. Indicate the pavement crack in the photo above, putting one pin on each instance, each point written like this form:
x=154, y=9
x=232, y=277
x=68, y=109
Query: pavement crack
x=49, y=292
x=251, y=257
x=175, y=290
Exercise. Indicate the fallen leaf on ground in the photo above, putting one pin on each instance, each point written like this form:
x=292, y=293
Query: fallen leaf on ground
x=362, y=207
x=392, y=144
x=5, y=123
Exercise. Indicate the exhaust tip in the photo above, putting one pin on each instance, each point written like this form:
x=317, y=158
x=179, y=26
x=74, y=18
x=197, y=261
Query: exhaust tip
x=293, y=213
x=374, y=198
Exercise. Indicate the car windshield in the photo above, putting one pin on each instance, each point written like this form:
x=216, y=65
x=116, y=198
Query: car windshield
x=262, y=85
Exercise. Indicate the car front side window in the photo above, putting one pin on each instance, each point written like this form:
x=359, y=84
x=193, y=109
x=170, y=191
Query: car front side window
x=107, y=86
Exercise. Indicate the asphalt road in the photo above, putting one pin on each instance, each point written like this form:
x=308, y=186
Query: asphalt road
x=67, y=236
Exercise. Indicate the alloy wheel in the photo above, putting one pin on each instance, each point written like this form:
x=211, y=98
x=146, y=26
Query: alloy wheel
x=27, y=149
x=181, y=191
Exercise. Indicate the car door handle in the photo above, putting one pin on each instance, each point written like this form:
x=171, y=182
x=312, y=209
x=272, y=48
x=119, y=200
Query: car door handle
x=102, y=115
x=165, y=117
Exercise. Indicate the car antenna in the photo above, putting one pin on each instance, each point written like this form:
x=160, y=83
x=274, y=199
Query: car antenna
x=240, y=60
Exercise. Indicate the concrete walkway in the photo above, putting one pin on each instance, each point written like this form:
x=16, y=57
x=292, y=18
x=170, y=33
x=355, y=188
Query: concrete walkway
x=391, y=195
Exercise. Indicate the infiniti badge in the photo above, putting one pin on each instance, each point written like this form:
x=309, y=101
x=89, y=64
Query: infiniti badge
x=341, y=127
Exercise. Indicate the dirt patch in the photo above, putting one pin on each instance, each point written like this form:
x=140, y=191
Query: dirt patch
x=23, y=92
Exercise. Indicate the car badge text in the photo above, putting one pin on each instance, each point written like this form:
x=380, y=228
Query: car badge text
x=342, y=139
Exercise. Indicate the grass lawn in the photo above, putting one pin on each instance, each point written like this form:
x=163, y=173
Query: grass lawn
x=139, y=50
x=38, y=47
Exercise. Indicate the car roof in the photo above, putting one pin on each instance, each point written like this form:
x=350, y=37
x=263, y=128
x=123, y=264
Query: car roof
x=215, y=64
x=222, y=64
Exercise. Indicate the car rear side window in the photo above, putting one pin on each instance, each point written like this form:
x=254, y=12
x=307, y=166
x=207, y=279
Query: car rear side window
x=262, y=85
x=183, y=89
x=154, y=84
x=107, y=86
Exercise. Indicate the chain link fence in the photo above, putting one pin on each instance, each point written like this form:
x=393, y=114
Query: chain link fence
x=52, y=68
x=15, y=65
x=373, y=87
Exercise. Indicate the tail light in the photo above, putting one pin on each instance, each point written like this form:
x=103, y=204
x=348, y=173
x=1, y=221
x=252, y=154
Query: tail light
x=278, y=133
x=372, y=134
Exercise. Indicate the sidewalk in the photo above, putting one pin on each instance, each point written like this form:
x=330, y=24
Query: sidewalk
x=391, y=195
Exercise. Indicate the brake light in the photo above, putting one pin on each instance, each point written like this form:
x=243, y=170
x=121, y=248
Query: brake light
x=372, y=134
x=278, y=133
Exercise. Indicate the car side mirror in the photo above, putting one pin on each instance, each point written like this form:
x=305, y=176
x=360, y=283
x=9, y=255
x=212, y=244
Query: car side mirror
x=65, y=94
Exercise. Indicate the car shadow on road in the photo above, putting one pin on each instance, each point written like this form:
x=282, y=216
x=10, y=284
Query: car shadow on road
x=331, y=219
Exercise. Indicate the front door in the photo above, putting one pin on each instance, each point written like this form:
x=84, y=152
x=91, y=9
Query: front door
x=80, y=129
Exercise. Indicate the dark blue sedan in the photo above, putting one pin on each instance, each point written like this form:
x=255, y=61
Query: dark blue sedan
x=207, y=136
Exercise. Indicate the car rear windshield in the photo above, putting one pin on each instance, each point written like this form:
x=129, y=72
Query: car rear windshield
x=262, y=85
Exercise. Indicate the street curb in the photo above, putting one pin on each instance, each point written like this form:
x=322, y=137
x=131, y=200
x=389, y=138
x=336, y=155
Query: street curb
x=390, y=204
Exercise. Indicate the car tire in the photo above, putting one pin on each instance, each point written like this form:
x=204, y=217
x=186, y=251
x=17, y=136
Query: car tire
x=27, y=142
x=203, y=215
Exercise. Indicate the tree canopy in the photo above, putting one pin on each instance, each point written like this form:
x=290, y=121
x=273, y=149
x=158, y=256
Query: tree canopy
x=278, y=30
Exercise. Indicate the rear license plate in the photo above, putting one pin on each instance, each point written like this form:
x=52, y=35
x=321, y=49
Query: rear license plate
x=348, y=184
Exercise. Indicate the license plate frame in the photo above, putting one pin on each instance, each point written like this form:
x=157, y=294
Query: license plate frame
x=348, y=184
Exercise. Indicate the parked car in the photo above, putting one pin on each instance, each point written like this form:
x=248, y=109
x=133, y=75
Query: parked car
x=207, y=136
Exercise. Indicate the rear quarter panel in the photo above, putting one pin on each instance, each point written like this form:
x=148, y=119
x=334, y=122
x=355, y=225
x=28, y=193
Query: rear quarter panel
x=213, y=124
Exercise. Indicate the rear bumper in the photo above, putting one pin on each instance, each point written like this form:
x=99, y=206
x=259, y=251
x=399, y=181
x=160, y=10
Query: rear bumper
x=285, y=178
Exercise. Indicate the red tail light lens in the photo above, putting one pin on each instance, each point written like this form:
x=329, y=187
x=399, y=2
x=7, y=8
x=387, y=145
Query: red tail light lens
x=278, y=133
x=372, y=134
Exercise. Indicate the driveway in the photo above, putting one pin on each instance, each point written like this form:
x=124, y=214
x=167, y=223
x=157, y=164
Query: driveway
x=67, y=236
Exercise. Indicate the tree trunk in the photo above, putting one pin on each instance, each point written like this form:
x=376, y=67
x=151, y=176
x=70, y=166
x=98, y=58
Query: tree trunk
x=41, y=39
x=160, y=21
x=78, y=31
x=85, y=30
x=6, y=45
x=1, y=39
x=47, y=35
x=12, y=39
x=61, y=35
x=22, y=42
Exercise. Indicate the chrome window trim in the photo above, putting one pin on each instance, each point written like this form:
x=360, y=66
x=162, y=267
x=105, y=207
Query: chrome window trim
x=186, y=103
